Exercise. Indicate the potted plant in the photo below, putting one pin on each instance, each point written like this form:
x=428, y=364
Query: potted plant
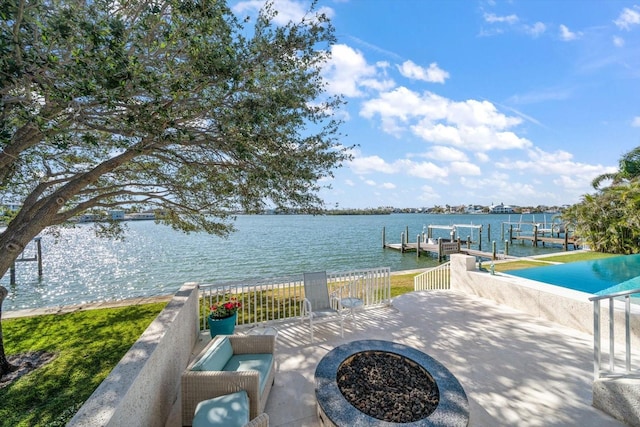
x=223, y=317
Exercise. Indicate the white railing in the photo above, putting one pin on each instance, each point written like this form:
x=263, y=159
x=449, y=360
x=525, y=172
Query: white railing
x=435, y=278
x=280, y=298
x=597, y=349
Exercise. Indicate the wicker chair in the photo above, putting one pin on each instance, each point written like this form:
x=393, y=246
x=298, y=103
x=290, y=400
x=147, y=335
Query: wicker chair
x=200, y=385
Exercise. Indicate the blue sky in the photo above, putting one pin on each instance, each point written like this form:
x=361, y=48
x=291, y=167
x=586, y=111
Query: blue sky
x=456, y=102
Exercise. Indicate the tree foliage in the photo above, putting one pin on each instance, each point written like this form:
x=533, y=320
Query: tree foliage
x=171, y=105
x=609, y=220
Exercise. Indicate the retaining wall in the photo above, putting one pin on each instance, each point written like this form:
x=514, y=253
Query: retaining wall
x=142, y=389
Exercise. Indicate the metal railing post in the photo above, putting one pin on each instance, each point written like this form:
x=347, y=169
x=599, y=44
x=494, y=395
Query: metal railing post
x=627, y=321
x=597, y=331
x=596, y=339
x=612, y=341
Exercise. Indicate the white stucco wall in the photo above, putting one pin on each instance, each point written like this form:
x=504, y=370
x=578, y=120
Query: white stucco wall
x=142, y=389
x=557, y=304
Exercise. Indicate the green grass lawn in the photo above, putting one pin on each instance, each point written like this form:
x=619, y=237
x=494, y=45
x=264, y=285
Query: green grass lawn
x=87, y=346
x=563, y=257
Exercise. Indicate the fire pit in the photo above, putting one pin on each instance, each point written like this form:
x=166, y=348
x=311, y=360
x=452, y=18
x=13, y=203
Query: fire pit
x=382, y=383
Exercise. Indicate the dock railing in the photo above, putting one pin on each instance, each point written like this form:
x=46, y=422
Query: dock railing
x=267, y=300
x=597, y=332
x=435, y=278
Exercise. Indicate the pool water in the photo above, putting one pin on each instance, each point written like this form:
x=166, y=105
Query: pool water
x=601, y=276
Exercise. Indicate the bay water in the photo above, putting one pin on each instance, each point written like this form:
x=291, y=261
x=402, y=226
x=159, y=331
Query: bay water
x=156, y=260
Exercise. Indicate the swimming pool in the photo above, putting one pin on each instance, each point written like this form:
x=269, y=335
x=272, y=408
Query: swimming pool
x=594, y=277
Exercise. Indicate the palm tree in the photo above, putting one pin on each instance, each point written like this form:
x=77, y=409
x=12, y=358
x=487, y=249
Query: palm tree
x=628, y=170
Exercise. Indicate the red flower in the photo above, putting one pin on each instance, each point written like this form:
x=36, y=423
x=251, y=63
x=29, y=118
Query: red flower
x=225, y=309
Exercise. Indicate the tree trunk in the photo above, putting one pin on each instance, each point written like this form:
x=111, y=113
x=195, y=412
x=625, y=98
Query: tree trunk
x=5, y=366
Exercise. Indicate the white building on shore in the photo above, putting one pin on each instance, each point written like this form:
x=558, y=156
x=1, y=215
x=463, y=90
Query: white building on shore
x=501, y=209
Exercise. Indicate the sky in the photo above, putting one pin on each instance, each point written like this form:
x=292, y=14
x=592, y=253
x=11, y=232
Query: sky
x=458, y=102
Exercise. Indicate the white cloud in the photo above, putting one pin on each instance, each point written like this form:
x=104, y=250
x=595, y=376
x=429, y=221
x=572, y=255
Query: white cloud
x=482, y=157
x=426, y=170
x=348, y=71
x=388, y=186
x=568, y=35
x=427, y=188
x=628, y=18
x=558, y=163
x=492, y=18
x=618, y=41
x=428, y=195
x=566, y=182
x=372, y=164
x=433, y=74
x=536, y=29
x=363, y=165
x=471, y=125
x=465, y=168
x=636, y=122
x=447, y=154
x=288, y=10
x=344, y=70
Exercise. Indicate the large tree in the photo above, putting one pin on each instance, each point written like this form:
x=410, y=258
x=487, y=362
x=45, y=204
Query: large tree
x=173, y=105
x=609, y=220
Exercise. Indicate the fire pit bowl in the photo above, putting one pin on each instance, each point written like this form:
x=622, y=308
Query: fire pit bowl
x=442, y=390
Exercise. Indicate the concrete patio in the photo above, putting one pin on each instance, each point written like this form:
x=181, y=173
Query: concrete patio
x=517, y=370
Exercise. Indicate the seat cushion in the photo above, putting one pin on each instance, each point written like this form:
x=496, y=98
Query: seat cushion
x=324, y=314
x=216, y=356
x=260, y=362
x=230, y=410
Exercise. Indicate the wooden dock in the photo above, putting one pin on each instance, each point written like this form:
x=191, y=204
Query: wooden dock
x=450, y=248
x=537, y=235
x=537, y=239
x=440, y=248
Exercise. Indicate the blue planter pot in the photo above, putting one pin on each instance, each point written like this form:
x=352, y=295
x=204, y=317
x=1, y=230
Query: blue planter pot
x=222, y=326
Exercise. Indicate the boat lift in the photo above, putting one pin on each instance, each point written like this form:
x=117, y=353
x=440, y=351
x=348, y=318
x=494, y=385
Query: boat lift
x=37, y=256
x=453, y=232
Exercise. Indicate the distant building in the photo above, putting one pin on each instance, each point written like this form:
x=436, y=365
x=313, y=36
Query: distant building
x=140, y=216
x=474, y=209
x=88, y=217
x=501, y=209
x=116, y=215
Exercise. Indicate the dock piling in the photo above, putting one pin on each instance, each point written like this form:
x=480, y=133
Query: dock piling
x=384, y=238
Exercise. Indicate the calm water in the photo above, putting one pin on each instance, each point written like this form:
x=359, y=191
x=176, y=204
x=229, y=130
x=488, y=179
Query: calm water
x=593, y=276
x=156, y=260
